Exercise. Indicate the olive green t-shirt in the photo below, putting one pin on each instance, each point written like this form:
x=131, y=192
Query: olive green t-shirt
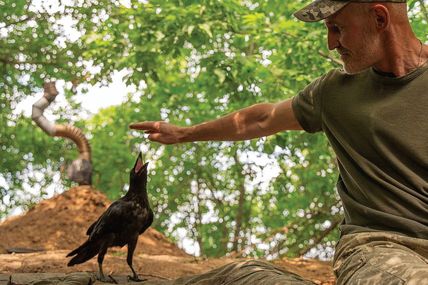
x=378, y=128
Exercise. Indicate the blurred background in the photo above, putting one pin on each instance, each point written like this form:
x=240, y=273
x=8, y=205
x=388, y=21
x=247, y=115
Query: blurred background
x=117, y=62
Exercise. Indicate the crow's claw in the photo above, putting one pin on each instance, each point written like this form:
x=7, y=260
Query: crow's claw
x=113, y=280
x=102, y=278
x=136, y=278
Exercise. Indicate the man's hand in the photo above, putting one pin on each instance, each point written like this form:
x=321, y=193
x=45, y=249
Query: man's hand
x=160, y=131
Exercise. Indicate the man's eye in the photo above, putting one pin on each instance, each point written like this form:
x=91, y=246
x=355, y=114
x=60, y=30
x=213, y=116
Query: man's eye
x=336, y=29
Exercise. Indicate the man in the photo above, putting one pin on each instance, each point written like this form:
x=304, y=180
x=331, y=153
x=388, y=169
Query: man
x=374, y=115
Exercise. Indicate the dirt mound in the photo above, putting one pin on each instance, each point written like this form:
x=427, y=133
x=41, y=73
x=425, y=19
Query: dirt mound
x=60, y=223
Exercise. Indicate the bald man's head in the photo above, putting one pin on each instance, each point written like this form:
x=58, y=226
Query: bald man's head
x=397, y=11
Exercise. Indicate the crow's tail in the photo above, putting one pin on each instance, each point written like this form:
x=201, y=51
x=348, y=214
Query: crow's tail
x=85, y=252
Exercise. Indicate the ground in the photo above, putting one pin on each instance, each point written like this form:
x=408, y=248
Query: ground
x=55, y=226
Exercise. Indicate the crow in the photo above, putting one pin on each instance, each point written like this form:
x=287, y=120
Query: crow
x=120, y=224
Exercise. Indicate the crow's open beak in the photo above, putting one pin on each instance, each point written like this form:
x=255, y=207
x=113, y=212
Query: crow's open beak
x=139, y=165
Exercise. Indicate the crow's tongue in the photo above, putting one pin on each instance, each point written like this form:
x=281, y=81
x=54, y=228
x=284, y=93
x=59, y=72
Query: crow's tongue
x=138, y=166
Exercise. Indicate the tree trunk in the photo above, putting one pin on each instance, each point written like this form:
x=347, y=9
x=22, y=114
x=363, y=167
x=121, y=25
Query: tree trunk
x=240, y=211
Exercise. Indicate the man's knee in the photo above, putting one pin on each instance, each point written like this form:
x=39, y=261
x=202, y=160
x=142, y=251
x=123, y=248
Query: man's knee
x=263, y=272
x=243, y=273
x=382, y=263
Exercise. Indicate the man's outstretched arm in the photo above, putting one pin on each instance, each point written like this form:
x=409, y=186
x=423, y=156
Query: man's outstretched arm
x=252, y=122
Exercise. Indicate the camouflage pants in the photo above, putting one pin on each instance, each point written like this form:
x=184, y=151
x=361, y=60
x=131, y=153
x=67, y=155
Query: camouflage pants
x=250, y=272
x=381, y=258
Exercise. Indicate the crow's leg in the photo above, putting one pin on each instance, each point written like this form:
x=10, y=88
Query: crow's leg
x=101, y=254
x=103, y=250
x=101, y=277
x=131, y=248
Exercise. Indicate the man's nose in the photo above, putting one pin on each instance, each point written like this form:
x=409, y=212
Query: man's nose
x=333, y=41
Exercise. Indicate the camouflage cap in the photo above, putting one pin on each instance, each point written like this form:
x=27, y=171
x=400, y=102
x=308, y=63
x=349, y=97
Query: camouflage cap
x=321, y=9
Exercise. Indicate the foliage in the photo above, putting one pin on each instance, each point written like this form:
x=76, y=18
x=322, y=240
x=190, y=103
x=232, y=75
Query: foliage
x=190, y=61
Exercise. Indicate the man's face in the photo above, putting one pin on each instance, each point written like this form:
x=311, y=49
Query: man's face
x=352, y=34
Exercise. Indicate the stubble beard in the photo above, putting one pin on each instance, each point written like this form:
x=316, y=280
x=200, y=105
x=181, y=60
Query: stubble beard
x=357, y=62
x=363, y=56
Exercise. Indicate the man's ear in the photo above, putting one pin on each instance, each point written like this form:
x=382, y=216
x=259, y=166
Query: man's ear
x=382, y=16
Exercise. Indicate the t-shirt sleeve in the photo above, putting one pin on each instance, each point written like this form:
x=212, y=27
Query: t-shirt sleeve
x=307, y=106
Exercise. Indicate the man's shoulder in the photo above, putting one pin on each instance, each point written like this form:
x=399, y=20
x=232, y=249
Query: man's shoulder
x=336, y=78
x=326, y=80
x=340, y=74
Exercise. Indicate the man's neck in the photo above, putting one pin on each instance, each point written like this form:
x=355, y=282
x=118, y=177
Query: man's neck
x=401, y=58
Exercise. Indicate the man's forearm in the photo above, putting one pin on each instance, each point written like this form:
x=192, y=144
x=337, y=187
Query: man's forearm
x=244, y=124
x=252, y=122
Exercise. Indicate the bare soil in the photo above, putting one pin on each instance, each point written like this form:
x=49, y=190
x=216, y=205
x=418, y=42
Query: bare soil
x=58, y=225
x=61, y=223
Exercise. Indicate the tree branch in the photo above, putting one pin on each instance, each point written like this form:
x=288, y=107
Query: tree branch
x=6, y=25
x=322, y=235
x=305, y=223
x=12, y=62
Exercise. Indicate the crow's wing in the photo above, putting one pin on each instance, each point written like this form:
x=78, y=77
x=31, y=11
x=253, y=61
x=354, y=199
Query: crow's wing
x=107, y=212
x=113, y=220
x=91, y=228
x=148, y=220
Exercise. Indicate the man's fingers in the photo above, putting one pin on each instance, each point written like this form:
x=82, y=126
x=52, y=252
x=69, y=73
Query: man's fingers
x=148, y=126
x=141, y=126
x=154, y=132
x=156, y=137
x=153, y=137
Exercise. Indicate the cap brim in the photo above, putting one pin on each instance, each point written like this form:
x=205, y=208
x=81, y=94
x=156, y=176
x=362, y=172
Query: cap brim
x=319, y=10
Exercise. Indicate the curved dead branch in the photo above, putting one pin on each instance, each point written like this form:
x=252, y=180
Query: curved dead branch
x=80, y=170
